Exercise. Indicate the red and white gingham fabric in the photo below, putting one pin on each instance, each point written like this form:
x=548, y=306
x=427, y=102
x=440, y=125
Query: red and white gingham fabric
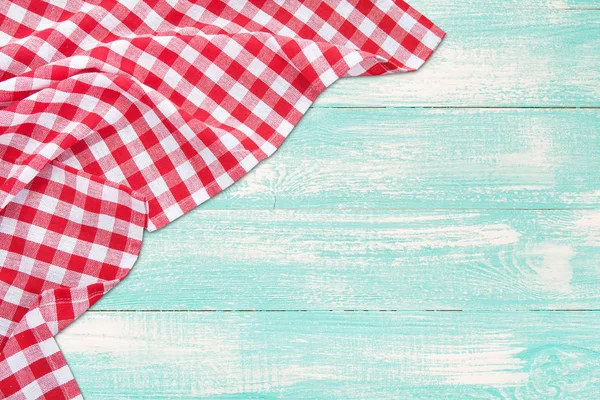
x=117, y=116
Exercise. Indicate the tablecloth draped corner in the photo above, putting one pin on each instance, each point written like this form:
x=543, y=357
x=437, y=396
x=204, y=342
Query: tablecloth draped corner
x=118, y=117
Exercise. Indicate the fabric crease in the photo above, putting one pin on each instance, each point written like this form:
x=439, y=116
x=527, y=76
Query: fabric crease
x=118, y=117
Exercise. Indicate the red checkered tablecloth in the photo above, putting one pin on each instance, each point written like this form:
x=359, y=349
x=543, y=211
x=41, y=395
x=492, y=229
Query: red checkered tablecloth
x=120, y=116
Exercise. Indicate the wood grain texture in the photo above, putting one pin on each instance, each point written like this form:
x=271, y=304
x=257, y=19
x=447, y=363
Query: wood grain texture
x=535, y=54
x=410, y=158
x=372, y=355
x=359, y=259
x=534, y=5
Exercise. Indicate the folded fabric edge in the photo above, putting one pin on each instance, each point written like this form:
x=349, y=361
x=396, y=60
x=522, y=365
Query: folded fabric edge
x=428, y=43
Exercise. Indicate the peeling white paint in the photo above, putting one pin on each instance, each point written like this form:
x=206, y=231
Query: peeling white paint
x=536, y=159
x=552, y=264
x=259, y=181
x=592, y=198
x=589, y=226
x=487, y=358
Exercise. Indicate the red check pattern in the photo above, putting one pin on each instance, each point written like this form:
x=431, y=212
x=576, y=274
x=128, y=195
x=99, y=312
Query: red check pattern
x=117, y=116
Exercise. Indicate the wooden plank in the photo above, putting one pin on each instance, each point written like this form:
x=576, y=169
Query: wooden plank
x=408, y=158
x=322, y=355
x=534, y=54
x=359, y=259
x=429, y=5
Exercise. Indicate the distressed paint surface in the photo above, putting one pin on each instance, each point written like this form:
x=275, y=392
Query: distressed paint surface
x=377, y=259
x=432, y=158
x=471, y=185
x=346, y=355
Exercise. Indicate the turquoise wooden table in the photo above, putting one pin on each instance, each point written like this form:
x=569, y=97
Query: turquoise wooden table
x=427, y=235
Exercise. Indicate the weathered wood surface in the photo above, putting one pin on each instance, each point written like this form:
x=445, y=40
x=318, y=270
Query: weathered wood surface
x=410, y=158
x=358, y=259
x=324, y=355
x=490, y=203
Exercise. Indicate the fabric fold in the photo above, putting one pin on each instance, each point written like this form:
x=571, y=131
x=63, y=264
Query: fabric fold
x=120, y=116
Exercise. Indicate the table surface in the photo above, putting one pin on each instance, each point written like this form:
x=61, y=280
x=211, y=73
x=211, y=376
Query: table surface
x=425, y=235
